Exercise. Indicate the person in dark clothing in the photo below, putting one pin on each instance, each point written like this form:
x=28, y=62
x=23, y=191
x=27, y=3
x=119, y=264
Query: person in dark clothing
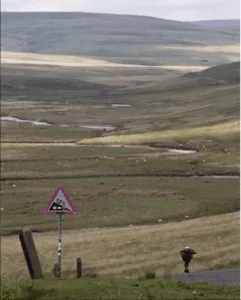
x=187, y=255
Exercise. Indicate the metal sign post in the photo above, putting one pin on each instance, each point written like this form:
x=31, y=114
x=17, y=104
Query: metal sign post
x=59, y=204
x=60, y=219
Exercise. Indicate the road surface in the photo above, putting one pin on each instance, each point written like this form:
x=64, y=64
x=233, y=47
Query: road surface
x=230, y=277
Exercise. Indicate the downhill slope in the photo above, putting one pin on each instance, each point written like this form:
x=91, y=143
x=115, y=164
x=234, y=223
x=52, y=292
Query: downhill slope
x=122, y=38
x=133, y=250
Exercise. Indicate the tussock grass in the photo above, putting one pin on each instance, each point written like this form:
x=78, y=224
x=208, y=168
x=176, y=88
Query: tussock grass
x=117, y=201
x=19, y=161
x=131, y=250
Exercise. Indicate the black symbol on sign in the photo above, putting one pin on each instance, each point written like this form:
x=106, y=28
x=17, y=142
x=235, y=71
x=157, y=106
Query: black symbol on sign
x=60, y=202
x=58, y=205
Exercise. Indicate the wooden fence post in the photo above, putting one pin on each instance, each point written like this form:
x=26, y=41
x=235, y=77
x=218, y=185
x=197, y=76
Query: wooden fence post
x=79, y=267
x=30, y=254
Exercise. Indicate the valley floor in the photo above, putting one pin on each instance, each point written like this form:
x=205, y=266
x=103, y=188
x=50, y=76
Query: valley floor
x=138, y=203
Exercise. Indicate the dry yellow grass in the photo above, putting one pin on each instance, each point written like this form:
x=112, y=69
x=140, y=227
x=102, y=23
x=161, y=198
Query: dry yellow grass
x=77, y=61
x=235, y=48
x=132, y=249
x=47, y=59
x=185, y=68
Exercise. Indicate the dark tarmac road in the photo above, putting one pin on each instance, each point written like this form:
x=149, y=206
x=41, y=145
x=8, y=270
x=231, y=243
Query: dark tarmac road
x=230, y=277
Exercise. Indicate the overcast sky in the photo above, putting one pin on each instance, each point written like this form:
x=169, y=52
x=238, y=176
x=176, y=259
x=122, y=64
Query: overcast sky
x=183, y=10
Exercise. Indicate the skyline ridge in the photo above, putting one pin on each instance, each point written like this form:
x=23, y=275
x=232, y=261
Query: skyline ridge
x=120, y=14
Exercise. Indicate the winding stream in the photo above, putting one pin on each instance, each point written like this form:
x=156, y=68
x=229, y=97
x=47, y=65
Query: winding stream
x=39, y=123
x=100, y=127
x=94, y=127
x=182, y=151
x=74, y=144
x=120, y=105
x=9, y=118
x=164, y=150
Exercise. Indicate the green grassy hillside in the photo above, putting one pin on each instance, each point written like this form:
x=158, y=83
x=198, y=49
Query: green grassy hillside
x=122, y=38
x=69, y=84
x=228, y=72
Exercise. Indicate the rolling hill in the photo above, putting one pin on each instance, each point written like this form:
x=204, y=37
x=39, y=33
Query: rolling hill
x=229, y=73
x=117, y=38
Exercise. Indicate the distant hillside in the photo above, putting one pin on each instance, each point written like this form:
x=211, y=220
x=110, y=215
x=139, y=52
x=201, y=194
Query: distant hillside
x=218, y=23
x=118, y=38
x=218, y=75
x=221, y=75
x=227, y=72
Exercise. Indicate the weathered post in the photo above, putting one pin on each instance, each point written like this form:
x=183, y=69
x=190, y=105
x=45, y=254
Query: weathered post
x=79, y=267
x=30, y=254
x=57, y=271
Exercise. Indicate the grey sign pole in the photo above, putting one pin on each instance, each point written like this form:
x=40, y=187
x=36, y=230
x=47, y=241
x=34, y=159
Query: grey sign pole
x=59, y=204
x=60, y=215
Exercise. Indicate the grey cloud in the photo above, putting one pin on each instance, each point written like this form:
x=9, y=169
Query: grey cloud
x=183, y=10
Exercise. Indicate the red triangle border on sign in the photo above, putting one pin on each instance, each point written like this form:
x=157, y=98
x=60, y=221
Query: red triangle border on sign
x=46, y=210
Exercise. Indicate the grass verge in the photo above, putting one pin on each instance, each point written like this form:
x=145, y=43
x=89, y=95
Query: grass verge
x=130, y=250
x=75, y=289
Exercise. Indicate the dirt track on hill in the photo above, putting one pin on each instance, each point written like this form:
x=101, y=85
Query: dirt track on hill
x=230, y=277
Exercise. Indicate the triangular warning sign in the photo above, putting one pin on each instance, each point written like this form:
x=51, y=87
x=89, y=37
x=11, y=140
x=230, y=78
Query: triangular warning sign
x=60, y=202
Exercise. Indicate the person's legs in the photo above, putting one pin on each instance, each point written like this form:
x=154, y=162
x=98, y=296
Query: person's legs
x=186, y=267
x=186, y=264
x=185, y=259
